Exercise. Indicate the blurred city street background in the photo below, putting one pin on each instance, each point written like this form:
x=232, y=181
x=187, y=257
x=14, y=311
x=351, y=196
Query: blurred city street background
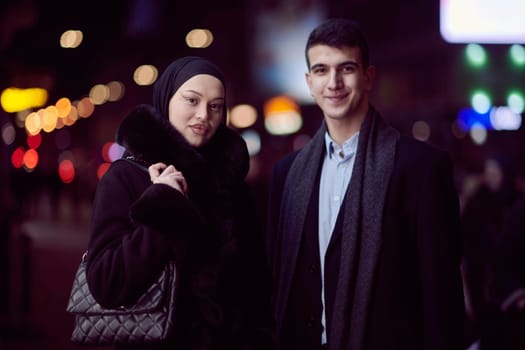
x=70, y=71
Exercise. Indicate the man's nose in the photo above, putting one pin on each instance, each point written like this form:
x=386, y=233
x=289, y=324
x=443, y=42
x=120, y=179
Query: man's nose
x=335, y=80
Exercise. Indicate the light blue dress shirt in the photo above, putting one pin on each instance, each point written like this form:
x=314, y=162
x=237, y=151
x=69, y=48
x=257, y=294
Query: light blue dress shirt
x=335, y=176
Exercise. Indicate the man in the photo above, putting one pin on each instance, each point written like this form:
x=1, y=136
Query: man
x=363, y=223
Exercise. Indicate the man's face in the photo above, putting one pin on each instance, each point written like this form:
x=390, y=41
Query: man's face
x=338, y=81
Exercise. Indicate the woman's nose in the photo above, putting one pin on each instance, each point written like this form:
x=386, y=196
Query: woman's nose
x=202, y=112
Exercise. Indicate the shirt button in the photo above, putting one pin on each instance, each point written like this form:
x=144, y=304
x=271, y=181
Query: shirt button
x=336, y=198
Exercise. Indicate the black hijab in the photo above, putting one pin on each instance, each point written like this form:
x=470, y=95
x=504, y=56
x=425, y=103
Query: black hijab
x=176, y=74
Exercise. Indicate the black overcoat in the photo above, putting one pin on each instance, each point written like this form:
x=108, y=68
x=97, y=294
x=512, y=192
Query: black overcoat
x=415, y=300
x=212, y=235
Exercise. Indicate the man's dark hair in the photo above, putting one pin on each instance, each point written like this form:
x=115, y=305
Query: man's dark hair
x=339, y=32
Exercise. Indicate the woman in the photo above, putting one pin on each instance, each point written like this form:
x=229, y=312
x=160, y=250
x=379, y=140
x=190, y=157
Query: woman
x=192, y=206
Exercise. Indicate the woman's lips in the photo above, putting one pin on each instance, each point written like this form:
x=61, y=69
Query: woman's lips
x=199, y=129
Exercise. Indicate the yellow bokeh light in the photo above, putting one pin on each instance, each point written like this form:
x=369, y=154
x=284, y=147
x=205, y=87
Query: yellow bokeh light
x=63, y=106
x=243, y=116
x=145, y=75
x=71, y=39
x=32, y=123
x=49, y=118
x=199, y=38
x=16, y=100
x=99, y=94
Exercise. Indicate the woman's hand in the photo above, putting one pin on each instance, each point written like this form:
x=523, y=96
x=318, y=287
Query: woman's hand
x=161, y=173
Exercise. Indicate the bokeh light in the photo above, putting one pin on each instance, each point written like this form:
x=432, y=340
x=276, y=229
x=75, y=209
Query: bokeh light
x=281, y=116
x=116, y=90
x=99, y=94
x=66, y=171
x=17, y=157
x=253, y=141
x=421, y=130
x=516, y=101
x=243, y=116
x=30, y=159
x=16, y=100
x=476, y=55
x=199, y=38
x=34, y=141
x=71, y=39
x=85, y=107
x=478, y=134
x=517, y=55
x=63, y=106
x=8, y=133
x=145, y=75
x=101, y=170
x=480, y=101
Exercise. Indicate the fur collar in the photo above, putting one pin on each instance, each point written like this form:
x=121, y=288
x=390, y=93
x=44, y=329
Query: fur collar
x=150, y=138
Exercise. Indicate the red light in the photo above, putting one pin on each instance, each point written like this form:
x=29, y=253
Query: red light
x=102, y=169
x=34, y=141
x=66, y=171
x=17, y=158
x=105, y=151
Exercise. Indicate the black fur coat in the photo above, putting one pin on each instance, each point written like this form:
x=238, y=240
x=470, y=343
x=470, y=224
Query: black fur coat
x=212, y=235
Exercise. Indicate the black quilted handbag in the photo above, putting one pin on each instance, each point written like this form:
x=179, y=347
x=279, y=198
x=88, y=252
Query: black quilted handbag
x=149, y=320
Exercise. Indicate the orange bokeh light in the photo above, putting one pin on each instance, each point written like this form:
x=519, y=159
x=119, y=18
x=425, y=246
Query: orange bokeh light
x=30, y=159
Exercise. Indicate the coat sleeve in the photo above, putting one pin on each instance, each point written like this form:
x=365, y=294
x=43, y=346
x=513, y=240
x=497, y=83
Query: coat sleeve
x=439, y=246
x=131, y=238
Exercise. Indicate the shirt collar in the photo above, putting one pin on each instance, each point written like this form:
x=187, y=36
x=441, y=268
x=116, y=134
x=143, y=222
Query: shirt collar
x=349, y=146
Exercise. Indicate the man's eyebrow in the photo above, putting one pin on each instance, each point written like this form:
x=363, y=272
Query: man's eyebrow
x=345, y=63
x=349, y=63
x=317, y=65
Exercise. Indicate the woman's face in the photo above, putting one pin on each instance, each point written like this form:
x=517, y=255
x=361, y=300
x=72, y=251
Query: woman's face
x=197, y=108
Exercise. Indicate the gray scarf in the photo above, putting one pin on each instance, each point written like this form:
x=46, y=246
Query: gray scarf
x=362, y=224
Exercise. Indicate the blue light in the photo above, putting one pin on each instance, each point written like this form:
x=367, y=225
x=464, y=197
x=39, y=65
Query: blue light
x=467, y=117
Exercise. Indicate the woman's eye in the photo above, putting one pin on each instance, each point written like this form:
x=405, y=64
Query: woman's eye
x=216, y=107
x=191, y=100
